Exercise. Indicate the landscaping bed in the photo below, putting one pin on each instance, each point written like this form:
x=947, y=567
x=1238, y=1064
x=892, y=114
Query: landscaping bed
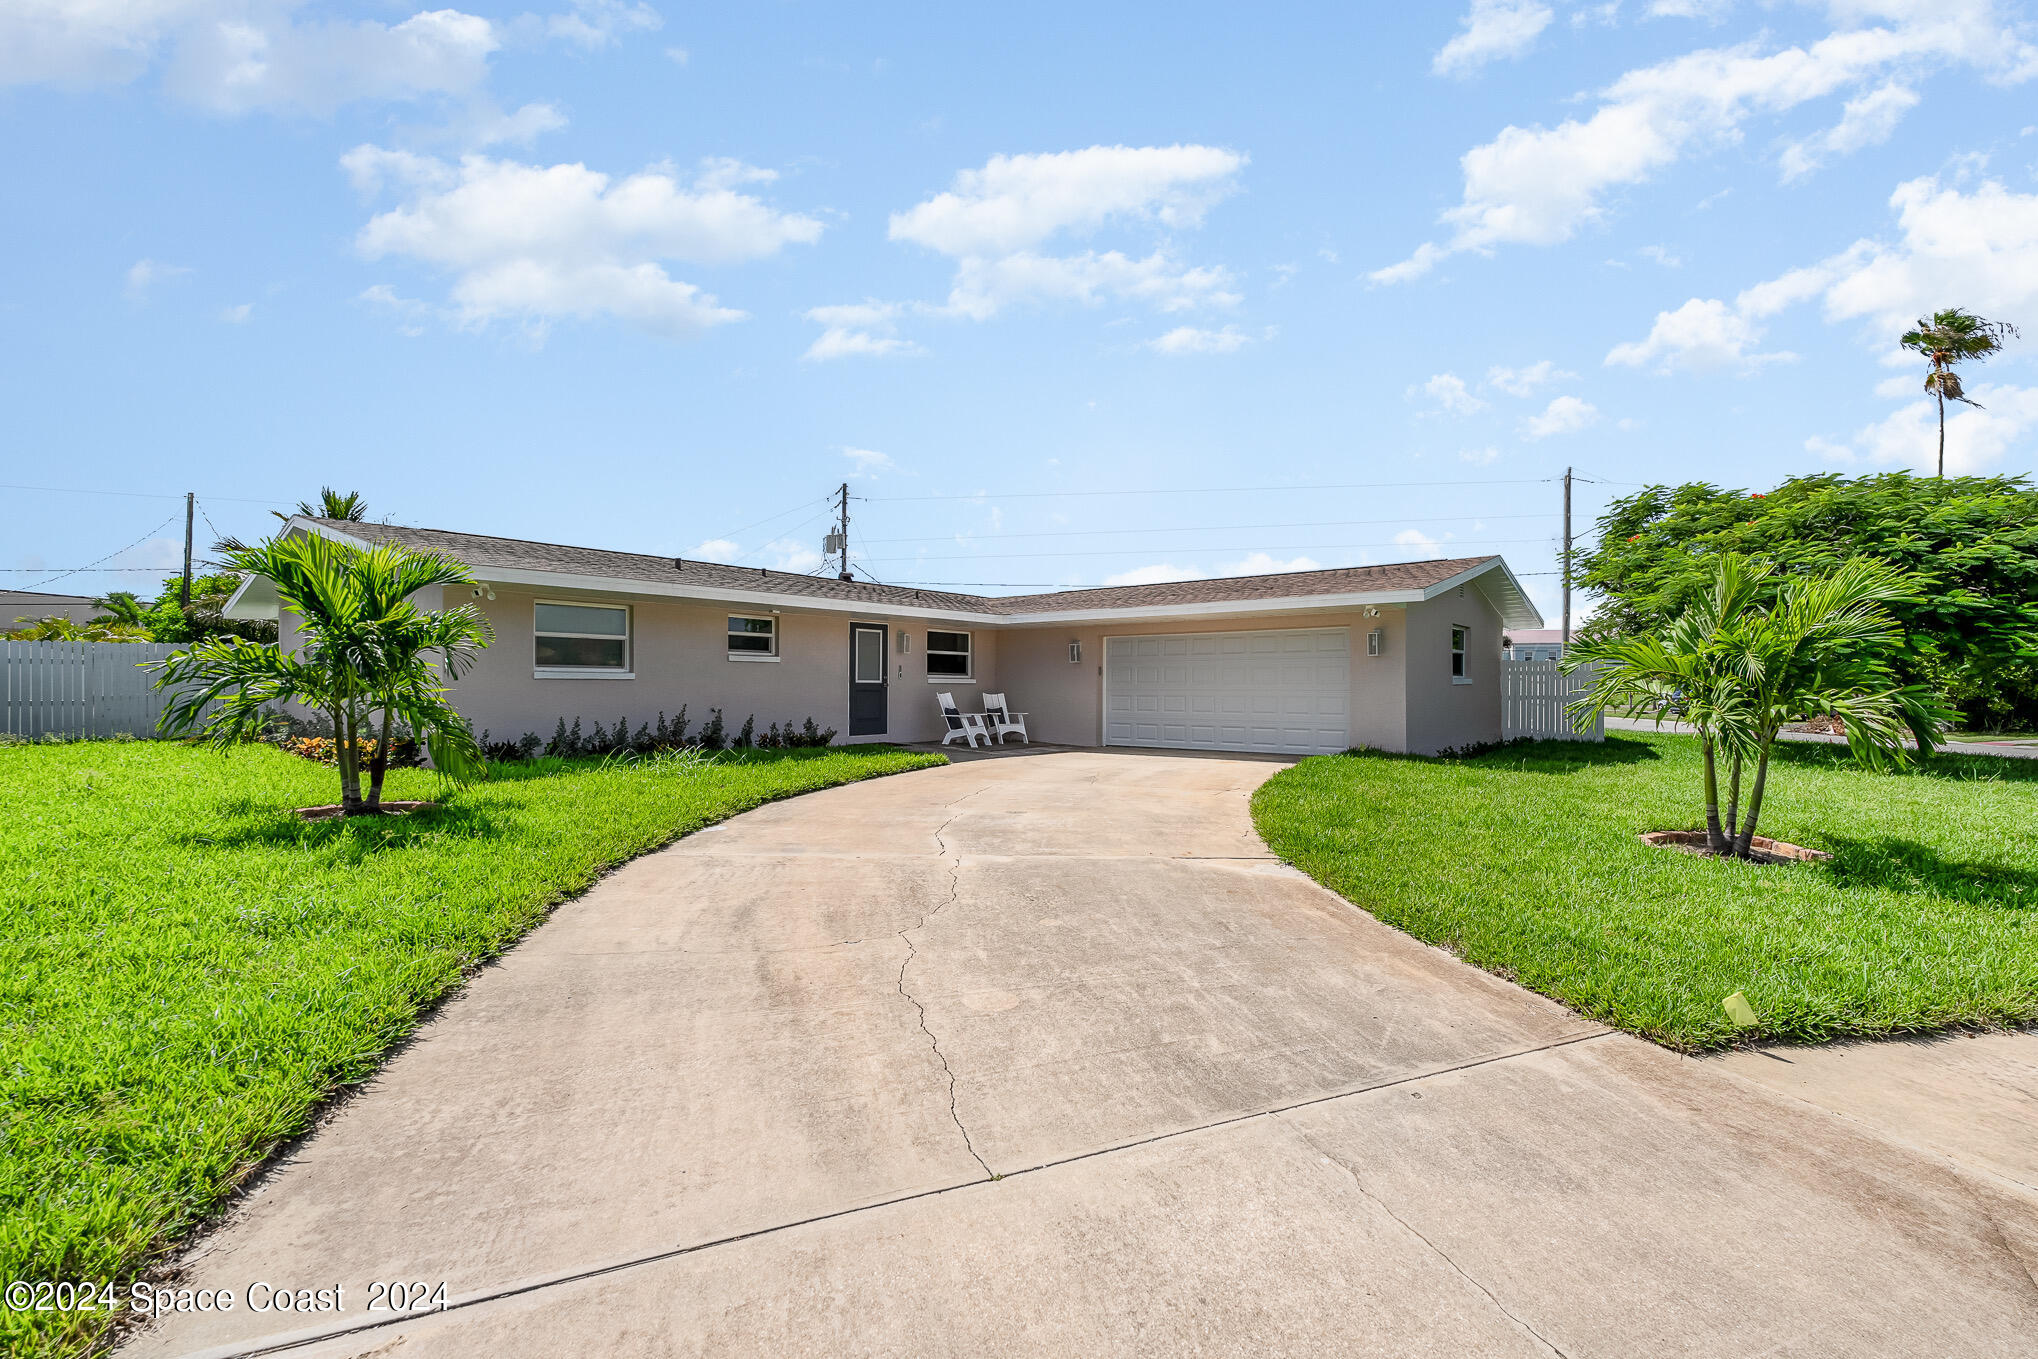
x=1527, y=861
x=187, y=968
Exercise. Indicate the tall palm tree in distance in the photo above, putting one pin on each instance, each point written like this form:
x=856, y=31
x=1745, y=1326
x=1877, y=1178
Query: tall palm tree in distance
x=1950, y=337
x=332, y=505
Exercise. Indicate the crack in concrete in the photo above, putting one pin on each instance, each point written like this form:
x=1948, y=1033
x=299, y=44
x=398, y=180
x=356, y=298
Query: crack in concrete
x=1415, y=1232
x=913, y=951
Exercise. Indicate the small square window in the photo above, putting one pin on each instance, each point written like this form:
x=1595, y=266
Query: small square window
x=753, y=636
x=948, y=655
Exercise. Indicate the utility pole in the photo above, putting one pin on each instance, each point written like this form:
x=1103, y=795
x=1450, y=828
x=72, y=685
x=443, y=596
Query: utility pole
x=1567, y=559
x=184, y=591
x=843, y=533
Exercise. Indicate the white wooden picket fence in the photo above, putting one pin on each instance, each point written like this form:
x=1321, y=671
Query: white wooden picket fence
x=1534, y=702
x=81, y=689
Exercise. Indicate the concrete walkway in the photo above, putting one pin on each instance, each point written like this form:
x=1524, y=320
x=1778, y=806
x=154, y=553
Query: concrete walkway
x=1044, y=1055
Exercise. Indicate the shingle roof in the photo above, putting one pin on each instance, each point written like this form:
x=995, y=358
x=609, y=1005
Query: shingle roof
x=481, y=552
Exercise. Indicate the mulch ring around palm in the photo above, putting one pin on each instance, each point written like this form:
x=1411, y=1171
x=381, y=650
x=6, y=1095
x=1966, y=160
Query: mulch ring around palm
x=387, y=809
x=1765, y=850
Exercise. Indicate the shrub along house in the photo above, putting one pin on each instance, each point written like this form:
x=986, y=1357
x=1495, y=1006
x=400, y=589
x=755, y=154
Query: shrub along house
x=1402, y=658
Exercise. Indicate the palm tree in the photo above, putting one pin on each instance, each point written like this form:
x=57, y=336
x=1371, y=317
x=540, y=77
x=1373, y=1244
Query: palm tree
x=1755, y=653
x=333, y=505
x=366, y=651
x=1949, y=338
x=350, y=508
x=121, y=608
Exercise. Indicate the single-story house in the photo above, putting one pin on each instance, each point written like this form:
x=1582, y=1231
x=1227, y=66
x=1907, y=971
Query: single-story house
x=19, y=608
x=1403, y=657
x=1533, y=644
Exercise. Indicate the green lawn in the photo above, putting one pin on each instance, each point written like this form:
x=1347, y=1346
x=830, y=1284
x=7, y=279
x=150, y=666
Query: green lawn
x=1525, y=862
x=187, y=969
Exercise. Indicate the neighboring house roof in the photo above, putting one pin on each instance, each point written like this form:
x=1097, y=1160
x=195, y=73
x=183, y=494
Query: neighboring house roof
x=522, y=561
x=35, y=605
x=1536, y=636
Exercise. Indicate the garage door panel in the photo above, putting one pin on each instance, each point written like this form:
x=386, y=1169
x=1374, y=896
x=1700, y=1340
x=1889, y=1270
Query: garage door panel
x=1285, y=691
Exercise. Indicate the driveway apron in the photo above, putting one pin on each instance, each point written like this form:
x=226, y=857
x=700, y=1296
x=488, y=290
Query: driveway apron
x=1047, y=1055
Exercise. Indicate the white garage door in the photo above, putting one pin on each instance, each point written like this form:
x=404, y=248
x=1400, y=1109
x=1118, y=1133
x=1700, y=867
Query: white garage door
x=1287, y=692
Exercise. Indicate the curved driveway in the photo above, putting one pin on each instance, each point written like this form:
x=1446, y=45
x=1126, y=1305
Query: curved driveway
x=1044, y=1054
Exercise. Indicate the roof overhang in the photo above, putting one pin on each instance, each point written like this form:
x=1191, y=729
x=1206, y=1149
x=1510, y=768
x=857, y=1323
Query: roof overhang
x=256, y=598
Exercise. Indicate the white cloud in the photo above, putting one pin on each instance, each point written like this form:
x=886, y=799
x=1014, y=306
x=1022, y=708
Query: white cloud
x=859, y=330
x=1266, y=564
x=869, y=462
x=1976, y=437
x=791, y=555
x=1190, y=340
x=1450, y=394
x=1978, y=245
x=1419, y=541
x=239, y=56
x=237, y=67
x=1158, y=573
x=487, y=125
x=1703, y=335
x=1711, y=10
x=678, y=55
x=984, y=287
x=1480, y=457
x=1524, y=381
x=1564, y=415
x=993, y=221
x=1828, y=451
x=716, y=550
x=595, y=24
x=1660, y=255
x=1252, y=564
x=534, y=243
x=1867, y=121
x=1017, y=202
x=237, y=315
x=144, y=275
x=1490, y=30
x=1540, y=185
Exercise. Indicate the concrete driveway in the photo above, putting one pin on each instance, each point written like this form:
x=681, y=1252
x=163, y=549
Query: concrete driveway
x=1045, y=1055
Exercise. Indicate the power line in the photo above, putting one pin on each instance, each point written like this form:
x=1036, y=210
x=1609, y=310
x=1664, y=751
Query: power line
x=1218, y=528
x=783, y=514
x=110, y=556
x=1211, y=490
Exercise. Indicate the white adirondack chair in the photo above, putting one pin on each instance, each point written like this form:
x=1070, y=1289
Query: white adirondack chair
x=1000, y=720
x=961, y=725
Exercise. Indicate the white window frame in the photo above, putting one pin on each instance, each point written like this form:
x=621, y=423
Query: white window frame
x=1461, y=648
x=771, y=655
x=969, y=656
x=606, y=672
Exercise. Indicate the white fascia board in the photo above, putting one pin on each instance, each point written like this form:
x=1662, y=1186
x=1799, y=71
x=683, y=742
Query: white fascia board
x=614, y=585
x=1509, y=599
x=757, y=599
x=1225, y=608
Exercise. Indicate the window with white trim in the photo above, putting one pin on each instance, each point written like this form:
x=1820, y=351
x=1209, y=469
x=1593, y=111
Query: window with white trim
x=1458, y=639
x=752, y=638
x=948, y=655
x=582, y=636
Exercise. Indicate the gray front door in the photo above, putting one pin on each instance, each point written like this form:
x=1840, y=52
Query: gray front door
x=869, y=695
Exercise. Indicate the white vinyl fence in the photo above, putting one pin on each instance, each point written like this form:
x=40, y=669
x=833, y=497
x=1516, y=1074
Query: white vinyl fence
x=81, y=689
x=1534, y=702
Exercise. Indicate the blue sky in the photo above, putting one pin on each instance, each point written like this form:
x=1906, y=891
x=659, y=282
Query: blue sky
x=644, y=277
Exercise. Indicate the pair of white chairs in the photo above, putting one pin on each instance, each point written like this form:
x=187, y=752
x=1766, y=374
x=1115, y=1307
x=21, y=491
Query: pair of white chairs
x=993, y=724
